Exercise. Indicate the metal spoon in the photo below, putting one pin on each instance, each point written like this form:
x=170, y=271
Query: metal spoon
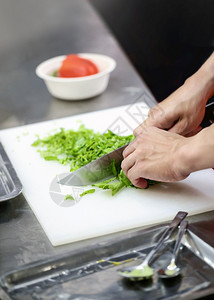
x=144, y=271
x=172, y=270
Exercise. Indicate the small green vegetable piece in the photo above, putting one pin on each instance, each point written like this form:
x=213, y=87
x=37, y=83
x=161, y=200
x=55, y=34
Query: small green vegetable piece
x=54, y=74
x=69, y=197
x=116, y=187
x=122, y=178
x=115, y=184
x=140, y=274
x=91, y=191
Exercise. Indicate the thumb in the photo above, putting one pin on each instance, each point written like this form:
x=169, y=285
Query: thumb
x=181, y=127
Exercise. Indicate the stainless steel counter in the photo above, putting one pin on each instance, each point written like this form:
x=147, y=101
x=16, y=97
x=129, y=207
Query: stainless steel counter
x=32, y=31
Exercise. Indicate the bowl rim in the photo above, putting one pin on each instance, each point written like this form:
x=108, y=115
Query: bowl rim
x=41, y=74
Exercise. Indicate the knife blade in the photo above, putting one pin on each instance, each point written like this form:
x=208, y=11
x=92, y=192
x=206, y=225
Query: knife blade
x=95, y=171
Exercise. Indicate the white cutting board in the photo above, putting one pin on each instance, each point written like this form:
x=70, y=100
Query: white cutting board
x=99, y=213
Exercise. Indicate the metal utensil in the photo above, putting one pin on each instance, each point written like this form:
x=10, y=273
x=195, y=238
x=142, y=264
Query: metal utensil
x=97, y=170
x=10, y=185
x=144, y=270
x=172, y=270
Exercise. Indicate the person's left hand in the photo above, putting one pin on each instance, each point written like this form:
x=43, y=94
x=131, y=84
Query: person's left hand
x=156, y=154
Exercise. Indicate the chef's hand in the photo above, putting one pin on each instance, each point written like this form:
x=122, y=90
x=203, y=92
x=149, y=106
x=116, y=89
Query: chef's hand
x=183, y=111
x=155, y=154
x=166, y=156
x=170, y=155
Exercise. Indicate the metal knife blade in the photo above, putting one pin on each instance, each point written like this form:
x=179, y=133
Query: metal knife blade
x=97, y=170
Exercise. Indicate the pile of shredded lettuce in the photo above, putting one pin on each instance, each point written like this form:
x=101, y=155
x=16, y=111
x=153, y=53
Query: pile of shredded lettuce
x=80, y=147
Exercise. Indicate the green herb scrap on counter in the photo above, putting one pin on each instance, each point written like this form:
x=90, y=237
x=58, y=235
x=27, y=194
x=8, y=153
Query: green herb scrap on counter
x=80, y=147
x=69, y=197
x=91, y=191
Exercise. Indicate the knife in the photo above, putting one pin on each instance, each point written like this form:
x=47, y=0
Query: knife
x=95, y=171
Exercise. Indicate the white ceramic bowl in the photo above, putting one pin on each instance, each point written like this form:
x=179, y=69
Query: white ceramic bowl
x=77, y=88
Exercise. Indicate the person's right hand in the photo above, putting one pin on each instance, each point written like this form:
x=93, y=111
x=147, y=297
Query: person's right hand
x=182, y=112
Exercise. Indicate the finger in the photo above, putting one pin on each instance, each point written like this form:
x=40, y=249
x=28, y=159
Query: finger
x=134, y=177
x=129, y=149
x=140, y=128
x=193, y=132
x=128, y=163
x=180, y=127
x=143, y=126
x=160, y=118
x=161, y=122
x=140, y=183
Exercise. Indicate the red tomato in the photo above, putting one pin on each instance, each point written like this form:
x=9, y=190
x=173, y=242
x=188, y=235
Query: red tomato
x=76, y=66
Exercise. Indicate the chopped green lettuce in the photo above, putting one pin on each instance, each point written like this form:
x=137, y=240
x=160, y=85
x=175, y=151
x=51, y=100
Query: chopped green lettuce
x=78, y=148
x=69, y=197
x=115, y=184
x=91, y=191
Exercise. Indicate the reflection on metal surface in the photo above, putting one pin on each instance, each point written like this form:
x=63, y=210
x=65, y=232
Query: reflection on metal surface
x=200, y=248
x=90, y=273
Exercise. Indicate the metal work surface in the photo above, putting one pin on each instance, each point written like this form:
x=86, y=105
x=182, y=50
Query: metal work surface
x=31, y=32
x=10, y=185
x=92, y=273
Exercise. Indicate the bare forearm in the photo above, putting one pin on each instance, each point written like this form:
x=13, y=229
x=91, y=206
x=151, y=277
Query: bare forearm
x=183, y=111
x=199, y=152
x=166, y=156
x=204, y=78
